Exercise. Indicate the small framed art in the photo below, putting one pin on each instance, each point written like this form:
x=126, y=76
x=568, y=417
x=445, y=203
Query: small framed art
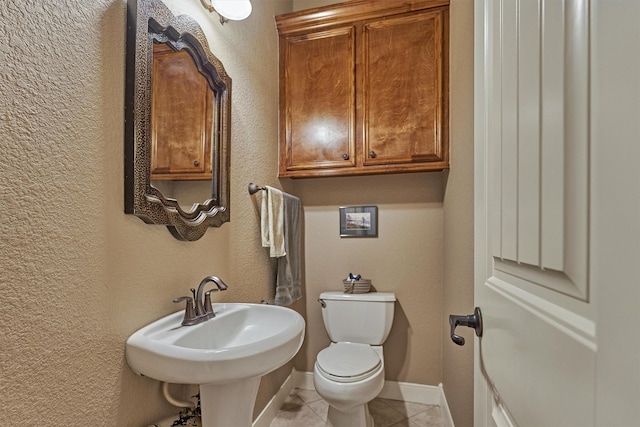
x=359, y=221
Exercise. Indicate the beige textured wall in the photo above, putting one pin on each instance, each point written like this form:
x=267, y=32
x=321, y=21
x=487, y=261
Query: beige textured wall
x=458, y=217
x=78, y=276
x=308, y=4
x=406, y=258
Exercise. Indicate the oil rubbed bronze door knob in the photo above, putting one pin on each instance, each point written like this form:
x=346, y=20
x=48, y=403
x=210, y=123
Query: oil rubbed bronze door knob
x=345, y=156
x=472, y=321
x=372, y=154
x=196, y=163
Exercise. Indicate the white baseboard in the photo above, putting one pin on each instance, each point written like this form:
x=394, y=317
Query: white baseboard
x=444, y=408
x=303, y=380
x=409, y=392
x=270, y=411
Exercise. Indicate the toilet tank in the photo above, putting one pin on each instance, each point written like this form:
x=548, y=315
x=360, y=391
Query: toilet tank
x=359, y=318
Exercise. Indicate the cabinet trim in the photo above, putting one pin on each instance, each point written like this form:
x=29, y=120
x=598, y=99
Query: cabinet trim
x=348, y=12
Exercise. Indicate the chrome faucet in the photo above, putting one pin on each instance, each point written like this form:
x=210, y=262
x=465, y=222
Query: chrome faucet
x=196, y=311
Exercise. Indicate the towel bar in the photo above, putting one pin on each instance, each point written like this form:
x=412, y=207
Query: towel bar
x=253, y=188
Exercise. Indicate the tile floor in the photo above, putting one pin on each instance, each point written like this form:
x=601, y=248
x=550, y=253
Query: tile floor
x=305, y=408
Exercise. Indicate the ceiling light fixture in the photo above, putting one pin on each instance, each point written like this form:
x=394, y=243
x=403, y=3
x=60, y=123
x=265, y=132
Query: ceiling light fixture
x=235, y=10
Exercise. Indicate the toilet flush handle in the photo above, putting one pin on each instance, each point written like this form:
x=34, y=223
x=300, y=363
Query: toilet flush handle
x=322, y=303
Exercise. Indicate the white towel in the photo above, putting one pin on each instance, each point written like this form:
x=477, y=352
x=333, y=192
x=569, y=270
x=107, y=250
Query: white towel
x=272, y=222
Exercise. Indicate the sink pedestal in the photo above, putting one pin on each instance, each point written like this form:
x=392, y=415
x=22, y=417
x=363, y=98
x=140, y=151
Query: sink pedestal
x=229, y=404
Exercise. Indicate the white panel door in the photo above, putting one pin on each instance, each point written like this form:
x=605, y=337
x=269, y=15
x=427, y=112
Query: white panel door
x=553, y=79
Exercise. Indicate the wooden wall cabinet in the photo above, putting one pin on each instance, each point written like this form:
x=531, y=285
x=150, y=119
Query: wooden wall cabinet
x=364, y=88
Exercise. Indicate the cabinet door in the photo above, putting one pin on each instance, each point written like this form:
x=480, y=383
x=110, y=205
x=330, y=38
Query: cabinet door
x=181, y=118
x=317, y=111
x=405, y=89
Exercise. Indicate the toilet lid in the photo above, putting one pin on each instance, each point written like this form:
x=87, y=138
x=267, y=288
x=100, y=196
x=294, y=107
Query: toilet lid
x=348, y=362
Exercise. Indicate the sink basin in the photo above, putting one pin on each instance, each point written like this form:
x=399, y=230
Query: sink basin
x=242, y=341
x=225, y=355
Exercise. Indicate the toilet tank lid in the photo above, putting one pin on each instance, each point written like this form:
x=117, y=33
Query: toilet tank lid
x=369, y=296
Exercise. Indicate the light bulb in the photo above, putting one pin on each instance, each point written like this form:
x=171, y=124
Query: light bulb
x=235, y=10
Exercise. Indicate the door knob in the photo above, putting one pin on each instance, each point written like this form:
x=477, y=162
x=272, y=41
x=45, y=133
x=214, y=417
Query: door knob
x=472, y=321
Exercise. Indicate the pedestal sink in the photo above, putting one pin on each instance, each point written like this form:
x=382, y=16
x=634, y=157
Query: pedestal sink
x=226, y=355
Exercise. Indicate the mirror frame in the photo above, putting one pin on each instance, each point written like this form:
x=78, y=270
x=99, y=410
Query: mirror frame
x=149, y=20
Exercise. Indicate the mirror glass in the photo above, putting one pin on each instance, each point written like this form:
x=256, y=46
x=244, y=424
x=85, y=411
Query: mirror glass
x=177, y=123
x=181, y=143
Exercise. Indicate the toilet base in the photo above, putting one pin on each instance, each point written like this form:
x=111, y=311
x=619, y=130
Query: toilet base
x=356, y=417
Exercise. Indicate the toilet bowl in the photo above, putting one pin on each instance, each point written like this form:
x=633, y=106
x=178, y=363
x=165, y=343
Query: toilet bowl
x=348, y=387
x=350, y=372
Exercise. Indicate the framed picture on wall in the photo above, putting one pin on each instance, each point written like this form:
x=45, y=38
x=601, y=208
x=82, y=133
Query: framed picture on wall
x=359, y=221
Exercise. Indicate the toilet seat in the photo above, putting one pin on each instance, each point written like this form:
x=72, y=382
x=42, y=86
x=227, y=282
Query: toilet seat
x=348, y=362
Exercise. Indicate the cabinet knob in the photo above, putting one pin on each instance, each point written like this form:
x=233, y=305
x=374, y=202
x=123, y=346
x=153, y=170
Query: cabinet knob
x=345, y=156
x=196, y=163
x=372, y=154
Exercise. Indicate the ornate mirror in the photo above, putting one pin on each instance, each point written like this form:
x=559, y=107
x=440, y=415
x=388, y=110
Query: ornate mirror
x=177, y=123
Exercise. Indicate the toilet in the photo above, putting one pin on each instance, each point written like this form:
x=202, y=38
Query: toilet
x=350, y=372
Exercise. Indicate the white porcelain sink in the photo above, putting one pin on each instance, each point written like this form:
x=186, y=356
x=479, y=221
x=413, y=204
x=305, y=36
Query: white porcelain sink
x=225, y=355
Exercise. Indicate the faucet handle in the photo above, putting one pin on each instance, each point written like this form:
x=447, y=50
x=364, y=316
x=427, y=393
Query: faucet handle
x=208, y=307
x=189, y=312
